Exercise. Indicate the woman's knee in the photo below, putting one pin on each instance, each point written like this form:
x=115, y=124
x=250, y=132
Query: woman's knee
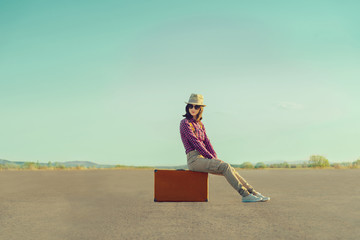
x=224, y=167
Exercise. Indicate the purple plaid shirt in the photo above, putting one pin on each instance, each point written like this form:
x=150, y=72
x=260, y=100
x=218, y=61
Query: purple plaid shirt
x=200, y=141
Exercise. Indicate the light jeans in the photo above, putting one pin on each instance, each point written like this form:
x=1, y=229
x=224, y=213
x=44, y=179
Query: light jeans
x=196, y=162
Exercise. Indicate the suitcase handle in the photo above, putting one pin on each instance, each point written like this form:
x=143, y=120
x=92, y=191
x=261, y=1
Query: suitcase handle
x=180, y=169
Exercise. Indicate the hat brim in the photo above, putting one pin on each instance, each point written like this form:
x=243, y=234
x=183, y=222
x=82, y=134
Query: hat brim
x=195, y=104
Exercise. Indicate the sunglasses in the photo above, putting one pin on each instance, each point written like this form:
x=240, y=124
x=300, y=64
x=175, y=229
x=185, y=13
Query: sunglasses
x=194, y=106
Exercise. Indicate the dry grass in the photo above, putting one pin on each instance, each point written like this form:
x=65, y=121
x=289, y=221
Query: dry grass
x=62, y=168
x=36, y=167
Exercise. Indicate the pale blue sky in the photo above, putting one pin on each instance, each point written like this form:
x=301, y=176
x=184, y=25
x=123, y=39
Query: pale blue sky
x=106, y=81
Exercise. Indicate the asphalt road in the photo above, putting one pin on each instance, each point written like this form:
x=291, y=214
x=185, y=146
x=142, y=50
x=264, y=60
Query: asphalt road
x=118, y=204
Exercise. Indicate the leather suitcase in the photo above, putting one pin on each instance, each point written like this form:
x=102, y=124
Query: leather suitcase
x=180, y=186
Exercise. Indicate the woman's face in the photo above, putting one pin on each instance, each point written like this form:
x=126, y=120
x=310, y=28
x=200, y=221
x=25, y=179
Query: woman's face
x=193, y=111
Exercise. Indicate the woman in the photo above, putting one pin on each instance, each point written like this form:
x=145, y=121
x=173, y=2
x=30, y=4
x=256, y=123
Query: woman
x=201, y=155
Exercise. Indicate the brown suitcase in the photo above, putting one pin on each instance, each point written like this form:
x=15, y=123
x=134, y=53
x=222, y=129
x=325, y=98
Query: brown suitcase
x=180, y=186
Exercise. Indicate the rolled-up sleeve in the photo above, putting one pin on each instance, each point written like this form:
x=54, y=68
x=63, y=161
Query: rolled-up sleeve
x=191, y=137
x=208, y=145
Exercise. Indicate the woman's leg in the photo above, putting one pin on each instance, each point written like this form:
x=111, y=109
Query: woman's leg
x=249, y=187
x=217, y=166
x=244, y=183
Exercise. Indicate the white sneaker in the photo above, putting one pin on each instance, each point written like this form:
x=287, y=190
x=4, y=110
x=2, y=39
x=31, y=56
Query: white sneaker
x=251, y=198
x=264, y=199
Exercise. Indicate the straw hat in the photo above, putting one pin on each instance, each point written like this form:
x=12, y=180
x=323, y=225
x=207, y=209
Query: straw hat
x=196, y=99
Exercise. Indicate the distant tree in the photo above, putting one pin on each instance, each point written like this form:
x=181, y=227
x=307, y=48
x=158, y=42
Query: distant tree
x=285, y=165
x=247, y=165
x=260, y=165
x=357, y=162
x=346, y=164
x=277, y=165
x=78, y=167
x=59, y=166
x=236, y=165
x=119, y=166
x=29, y=165
x=318, y=161
x=336, y=165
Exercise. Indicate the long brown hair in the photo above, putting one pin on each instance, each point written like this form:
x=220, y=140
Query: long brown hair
x=189, y=116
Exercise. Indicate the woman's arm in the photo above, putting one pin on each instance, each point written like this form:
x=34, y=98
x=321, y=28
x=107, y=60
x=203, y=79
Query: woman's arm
x=186, y=130
x=207, y=143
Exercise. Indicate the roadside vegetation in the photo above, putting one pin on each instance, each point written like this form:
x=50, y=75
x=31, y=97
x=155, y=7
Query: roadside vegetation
x=315, y=161
x=59, y=166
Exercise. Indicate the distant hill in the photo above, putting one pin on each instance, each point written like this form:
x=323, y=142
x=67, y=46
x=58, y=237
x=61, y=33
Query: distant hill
x=172, y=167
x=86, y=164
x=79, y=163
x=289, y=162
x=2, y=161
x=66, y=164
